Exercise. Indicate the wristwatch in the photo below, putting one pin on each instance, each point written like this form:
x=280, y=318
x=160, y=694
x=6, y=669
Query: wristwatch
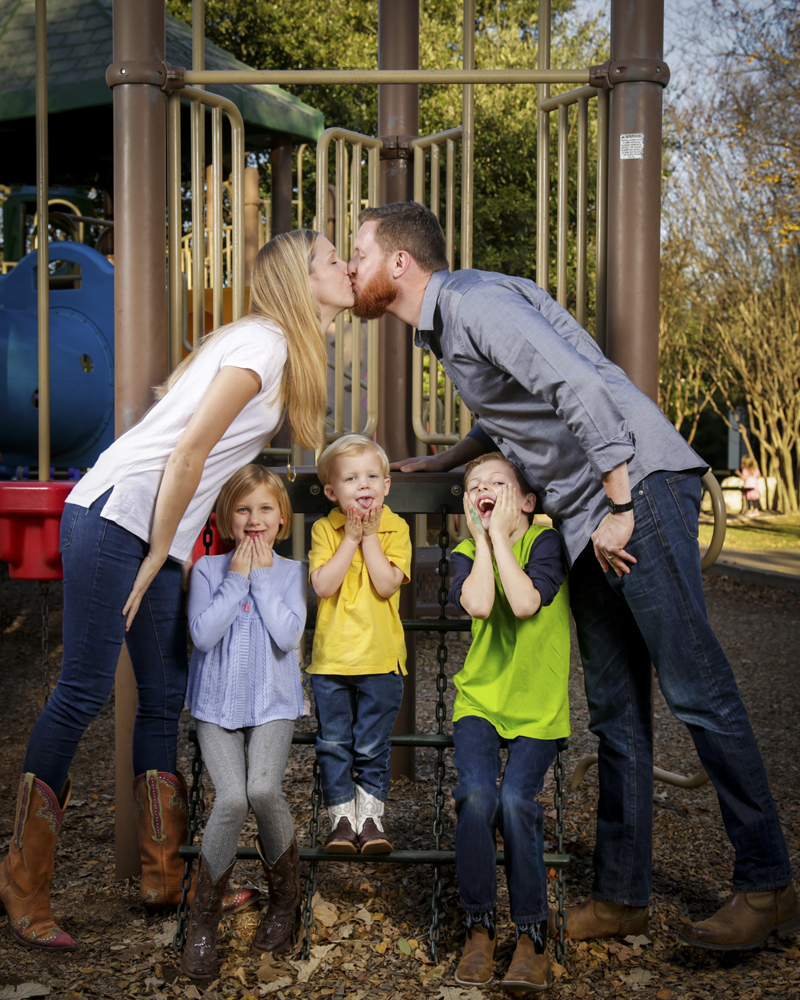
x=619, y=508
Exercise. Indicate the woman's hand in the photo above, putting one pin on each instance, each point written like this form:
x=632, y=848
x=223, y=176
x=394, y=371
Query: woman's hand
x=262, y=553
x=242, y=558
x=150, y=565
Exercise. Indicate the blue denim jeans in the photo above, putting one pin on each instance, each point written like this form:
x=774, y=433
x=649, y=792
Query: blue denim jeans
x=657, y=615
x=483, y=808
x=100, y=561
x=356, y=714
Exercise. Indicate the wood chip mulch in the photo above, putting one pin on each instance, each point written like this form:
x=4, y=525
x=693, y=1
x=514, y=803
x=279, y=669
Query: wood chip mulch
x=370, y=935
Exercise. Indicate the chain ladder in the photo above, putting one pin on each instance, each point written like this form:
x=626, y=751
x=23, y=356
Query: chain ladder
x=44, y=587
x=311, y=884
x=196, y=813
x=561, y=917
x=441, y=715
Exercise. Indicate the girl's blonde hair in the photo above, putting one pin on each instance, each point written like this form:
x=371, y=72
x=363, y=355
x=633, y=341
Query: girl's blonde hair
x=243, y=482
x=280, y=291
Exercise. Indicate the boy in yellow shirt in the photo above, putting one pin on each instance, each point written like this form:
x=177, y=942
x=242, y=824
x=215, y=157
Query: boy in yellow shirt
x=360, y=555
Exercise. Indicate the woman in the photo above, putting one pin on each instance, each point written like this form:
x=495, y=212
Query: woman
x=128, y=529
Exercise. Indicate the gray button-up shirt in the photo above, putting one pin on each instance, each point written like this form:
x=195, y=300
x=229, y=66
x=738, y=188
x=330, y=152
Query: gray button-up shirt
x=546, y=393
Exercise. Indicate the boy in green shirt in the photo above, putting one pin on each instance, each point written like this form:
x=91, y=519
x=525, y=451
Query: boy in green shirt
x=512, y=694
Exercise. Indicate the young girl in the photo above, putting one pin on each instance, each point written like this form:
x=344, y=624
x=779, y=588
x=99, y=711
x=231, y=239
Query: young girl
x=750, y=474
x=247, y=612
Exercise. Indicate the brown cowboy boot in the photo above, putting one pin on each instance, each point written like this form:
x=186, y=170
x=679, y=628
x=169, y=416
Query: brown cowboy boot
x=282, y=917
x=594, y=918
x=26, y=871
x=529, y=969
x=162, y=813
x=746, y=921
x=477, y=962
x=199, y=955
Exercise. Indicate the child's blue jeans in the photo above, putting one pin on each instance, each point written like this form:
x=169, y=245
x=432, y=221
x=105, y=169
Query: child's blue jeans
x=483, y=808
x=356, y=713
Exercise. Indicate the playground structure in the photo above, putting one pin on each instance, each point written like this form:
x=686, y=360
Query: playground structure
x=149, y=309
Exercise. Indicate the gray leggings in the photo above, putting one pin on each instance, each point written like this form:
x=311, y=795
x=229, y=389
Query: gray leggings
x=246, y=766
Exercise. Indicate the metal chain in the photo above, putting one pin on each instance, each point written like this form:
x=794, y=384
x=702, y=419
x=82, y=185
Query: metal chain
x=441, y=715
x=208, y=536
x=561, y=918
x=44, y=587
x=196, y=811
x=311, y=884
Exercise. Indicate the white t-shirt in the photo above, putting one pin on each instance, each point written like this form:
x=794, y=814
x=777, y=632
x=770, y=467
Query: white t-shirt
x=135, y=462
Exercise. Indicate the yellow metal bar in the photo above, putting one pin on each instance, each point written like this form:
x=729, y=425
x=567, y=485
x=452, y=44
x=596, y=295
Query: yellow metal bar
x=468, y=137
x=175, y=231
x=338, y=238
x=43, y=248
x=543, y=155
x=355, y=323
x=450, y=201
x=236, y=274
x=198, y=124
x=562, y=219
x=216, y=202
x=582, y=207
x=601, y=287
x=459, y=77
x=300, y=151
x=571, y=97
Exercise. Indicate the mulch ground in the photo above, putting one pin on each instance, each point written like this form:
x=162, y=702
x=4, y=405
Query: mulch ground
x=370, y=936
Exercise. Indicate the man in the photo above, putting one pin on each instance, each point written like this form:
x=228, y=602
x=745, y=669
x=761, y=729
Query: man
x=624, y=489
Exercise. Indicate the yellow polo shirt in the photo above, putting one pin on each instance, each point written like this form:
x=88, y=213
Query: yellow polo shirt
x=358, y=631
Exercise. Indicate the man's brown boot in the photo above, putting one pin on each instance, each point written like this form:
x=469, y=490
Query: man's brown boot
x=282, y=917
x=27, y=869
x=594, y=918
x=528, y=971
x=746, y=921
x=477, y=962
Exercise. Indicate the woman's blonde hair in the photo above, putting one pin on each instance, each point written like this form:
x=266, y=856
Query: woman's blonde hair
x=280, y=291
x=239, y=485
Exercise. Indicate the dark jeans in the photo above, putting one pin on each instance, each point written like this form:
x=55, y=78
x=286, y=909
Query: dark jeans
x=657, y=614
x=482, y=808
x=101, y=560
x=356, y=713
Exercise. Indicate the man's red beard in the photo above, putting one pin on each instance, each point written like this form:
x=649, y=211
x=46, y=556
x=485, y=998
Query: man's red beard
x=378, y=294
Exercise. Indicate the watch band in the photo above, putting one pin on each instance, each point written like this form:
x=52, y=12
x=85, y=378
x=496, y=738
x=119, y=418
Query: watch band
x=619, y=508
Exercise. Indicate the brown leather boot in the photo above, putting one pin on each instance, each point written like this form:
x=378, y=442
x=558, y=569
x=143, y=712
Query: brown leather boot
x=528, y=971
x=477, y=962
x=282, y=916
x=594, y=918
x=27, y=869
x=162, y=814
x=199, y=955
x=746, y=921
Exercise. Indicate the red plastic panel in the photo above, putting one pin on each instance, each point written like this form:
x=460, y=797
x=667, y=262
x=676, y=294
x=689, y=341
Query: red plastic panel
x=30, y=519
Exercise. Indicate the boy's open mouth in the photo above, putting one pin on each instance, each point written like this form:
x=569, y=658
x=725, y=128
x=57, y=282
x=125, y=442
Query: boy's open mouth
x=485, y=505
x=365, y=502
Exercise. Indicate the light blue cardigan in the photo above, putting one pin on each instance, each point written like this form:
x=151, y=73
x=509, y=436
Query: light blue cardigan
x=244, y=669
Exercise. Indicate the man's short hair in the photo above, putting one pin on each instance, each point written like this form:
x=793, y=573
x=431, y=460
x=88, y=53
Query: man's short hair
x=345, y=447
x=407, y=225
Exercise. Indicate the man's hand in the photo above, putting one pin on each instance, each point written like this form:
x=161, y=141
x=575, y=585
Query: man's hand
x=505, y=516
x=422, y=463
x=353, y=528
x=242, y=558
x=371, y=521
x=609, y=540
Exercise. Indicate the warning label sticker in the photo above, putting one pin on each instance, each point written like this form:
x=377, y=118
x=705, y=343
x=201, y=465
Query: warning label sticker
x=631, y=146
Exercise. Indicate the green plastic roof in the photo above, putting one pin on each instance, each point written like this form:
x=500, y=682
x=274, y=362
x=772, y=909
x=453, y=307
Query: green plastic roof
x=79, y=50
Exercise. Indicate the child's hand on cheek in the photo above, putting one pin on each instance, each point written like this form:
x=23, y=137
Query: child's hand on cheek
x=262, y=553
x=474, y=523
x=505, y=516
x=353, y=528
x=242, y=557
x=372, y=521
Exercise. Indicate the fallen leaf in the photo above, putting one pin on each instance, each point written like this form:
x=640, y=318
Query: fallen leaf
x=364, y=915
x=637, y=978
x=324, y=911
x=279, y=984
x=404, y=946
x=664, y=995
x=24, y=990
x=638, y=940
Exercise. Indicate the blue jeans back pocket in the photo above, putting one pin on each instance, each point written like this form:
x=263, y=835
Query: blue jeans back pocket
x=68, y=520
x=686, y=491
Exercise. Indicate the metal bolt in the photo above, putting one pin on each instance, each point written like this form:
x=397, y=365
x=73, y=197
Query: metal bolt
x=315, y=491
x=123, y=72
x=456, y=491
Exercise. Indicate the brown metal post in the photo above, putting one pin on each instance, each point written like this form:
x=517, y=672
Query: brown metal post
x=252, y=219
x=140, y=305
x=634, y=195
x=398, y=115
x=280, y=159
